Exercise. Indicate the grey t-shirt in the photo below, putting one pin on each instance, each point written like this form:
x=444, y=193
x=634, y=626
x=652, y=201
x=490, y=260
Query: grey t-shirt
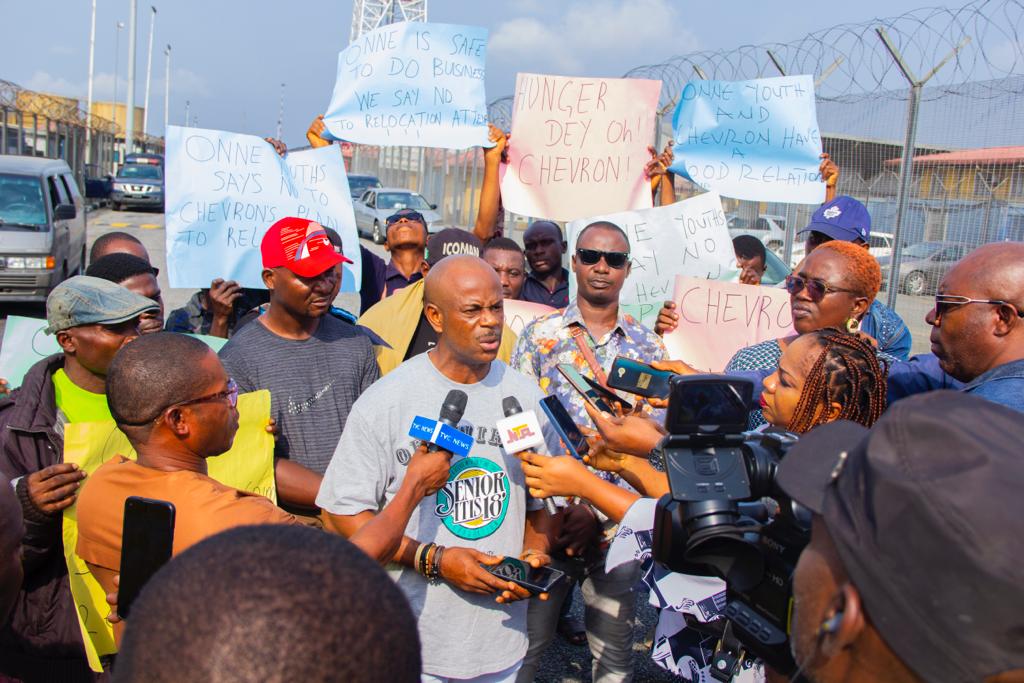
x=313, y=382
x=462, y=635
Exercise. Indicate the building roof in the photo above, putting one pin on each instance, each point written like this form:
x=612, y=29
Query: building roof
x=987, y=156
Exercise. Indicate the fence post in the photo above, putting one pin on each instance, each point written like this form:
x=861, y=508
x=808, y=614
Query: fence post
x=906, y=164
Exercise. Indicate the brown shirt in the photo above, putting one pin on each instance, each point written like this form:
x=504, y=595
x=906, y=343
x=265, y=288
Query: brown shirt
x=203, y=507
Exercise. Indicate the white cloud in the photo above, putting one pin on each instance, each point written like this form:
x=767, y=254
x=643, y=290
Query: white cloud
x=600, y=37
x=184, y=83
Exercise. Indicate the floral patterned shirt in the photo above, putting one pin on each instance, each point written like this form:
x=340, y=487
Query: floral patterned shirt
x=548, y=341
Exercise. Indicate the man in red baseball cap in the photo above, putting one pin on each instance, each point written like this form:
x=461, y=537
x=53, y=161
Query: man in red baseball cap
x=315, y=365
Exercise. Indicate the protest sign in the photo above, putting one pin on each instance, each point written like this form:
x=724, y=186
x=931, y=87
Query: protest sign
x=414, y=84
x=717, y=319
x=248, y=466
x=224, y=190
x=25, y=343
x=519, y=314
x=686, y=238
x=756, y=140
x=579, y=146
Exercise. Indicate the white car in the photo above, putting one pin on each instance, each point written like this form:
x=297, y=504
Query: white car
x=373, y=208
x=768, y=228
x=879, y=244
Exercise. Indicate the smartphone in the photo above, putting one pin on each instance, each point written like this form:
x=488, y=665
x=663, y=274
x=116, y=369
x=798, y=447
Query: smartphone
x=598, y=396
x=567, y=430
x=147, y=542
x=639, y=378
x=536, y=580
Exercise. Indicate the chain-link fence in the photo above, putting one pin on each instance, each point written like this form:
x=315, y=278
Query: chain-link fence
x=45, y=125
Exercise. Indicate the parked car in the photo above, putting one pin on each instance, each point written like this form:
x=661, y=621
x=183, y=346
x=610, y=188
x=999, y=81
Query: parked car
x=42, y=227
x=375, y=205
x=358, y=184
x=768, y=228
x=139, y=184
x=923, y=265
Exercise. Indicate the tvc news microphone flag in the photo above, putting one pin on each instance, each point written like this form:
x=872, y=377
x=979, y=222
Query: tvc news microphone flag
x=440, y=434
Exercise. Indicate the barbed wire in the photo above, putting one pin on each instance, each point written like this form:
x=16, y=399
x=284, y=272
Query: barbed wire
x=55, y=108
x=850, y=61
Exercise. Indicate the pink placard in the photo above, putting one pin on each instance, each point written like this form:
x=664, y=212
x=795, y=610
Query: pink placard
x=579, y=146
x=519, y=314
x=717, y=319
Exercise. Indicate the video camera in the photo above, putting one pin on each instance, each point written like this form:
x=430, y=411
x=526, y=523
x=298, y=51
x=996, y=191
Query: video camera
x=714, y=522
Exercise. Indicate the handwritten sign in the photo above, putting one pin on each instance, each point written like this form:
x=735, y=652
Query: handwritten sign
x=412, y=84
x=248, y=466
x=756, y=140
x=717, y=319
x=519, y=314
x=25, y=344
x=686, y=238
x=579, y=146
x=224, y=190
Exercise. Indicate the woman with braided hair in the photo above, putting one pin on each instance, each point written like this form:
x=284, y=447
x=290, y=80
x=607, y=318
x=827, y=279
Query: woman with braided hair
x=823, y=376
x=832, y=287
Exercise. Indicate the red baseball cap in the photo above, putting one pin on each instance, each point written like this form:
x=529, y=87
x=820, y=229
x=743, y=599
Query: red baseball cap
x=301, y=246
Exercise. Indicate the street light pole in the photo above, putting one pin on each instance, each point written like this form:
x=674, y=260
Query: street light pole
x=88, y=106
x=117, y=57
x=167, y=88
x=149, y=69
x=280, y=113
x=129, y=109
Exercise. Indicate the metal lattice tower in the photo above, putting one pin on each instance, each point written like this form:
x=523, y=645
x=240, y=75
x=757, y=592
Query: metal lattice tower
x=370, y=14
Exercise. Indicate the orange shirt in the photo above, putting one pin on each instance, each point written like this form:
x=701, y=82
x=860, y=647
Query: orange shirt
x=203, y=507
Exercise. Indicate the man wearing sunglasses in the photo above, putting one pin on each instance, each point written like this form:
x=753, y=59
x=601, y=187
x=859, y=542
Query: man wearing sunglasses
x=92, y=319
x=590, y=333
x=406, y=241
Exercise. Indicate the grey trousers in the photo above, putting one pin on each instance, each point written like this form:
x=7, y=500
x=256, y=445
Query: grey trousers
x=609, y=615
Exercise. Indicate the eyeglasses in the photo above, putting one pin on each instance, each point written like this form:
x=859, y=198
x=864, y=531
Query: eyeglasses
x=614, y=259
x=944, y=302
x=407, y=215
x=816, y=289
x=231, y=394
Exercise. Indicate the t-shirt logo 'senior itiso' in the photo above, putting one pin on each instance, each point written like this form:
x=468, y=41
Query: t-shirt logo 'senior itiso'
x=475, y=500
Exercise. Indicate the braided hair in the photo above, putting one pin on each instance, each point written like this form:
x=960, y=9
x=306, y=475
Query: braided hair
x=848, y=372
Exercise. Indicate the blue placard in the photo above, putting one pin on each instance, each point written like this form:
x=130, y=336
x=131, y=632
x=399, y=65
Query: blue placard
x=438, y=433
x=755, y=140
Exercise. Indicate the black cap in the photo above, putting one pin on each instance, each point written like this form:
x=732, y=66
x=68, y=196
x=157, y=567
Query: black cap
x=452, y=242
x=925, y=511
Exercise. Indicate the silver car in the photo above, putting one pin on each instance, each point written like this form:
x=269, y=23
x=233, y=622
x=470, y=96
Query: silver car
x=376, y=204
x=42, y=227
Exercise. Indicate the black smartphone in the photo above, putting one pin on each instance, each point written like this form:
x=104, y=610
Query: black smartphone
x=639, y=378
x=534, y=579
x=598, y=396
x=563, y=423
x=147, y=542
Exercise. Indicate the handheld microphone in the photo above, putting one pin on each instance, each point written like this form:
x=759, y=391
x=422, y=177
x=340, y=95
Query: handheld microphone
x=519, y=431
x=451, y=411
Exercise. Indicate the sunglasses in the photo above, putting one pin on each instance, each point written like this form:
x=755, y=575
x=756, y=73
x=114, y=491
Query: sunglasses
x=614, y=259
x=816, y=289
x=407, y=215
x=231, y=394
x=945, y=302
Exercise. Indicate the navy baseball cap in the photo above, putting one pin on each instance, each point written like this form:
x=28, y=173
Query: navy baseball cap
x=843, y=218
x=921, y=508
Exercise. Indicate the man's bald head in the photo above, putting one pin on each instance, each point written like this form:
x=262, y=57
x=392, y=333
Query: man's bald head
x=452, y=278
x=117, y=242
x=462, y=301
x=970, y=339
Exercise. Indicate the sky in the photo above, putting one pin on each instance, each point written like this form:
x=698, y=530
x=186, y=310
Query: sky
x=230, y=57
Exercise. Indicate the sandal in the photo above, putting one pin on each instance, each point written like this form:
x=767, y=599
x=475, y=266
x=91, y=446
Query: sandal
x=573, y=631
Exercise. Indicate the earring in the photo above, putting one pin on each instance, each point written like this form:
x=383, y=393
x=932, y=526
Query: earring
x=831, y=624
x=853, y=326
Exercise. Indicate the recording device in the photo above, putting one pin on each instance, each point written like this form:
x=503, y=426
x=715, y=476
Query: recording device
x=594, y=393
x=534, y=579
x=713, y=521
x=564, y=426
x=520, y=431
x=451, y=412
x=147, y=543
x=639, y=378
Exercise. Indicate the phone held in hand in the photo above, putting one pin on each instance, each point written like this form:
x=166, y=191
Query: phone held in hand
x=564, y=426
x=147, y=543
x=596, y=395
x=534, y=579
x=639, y=378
